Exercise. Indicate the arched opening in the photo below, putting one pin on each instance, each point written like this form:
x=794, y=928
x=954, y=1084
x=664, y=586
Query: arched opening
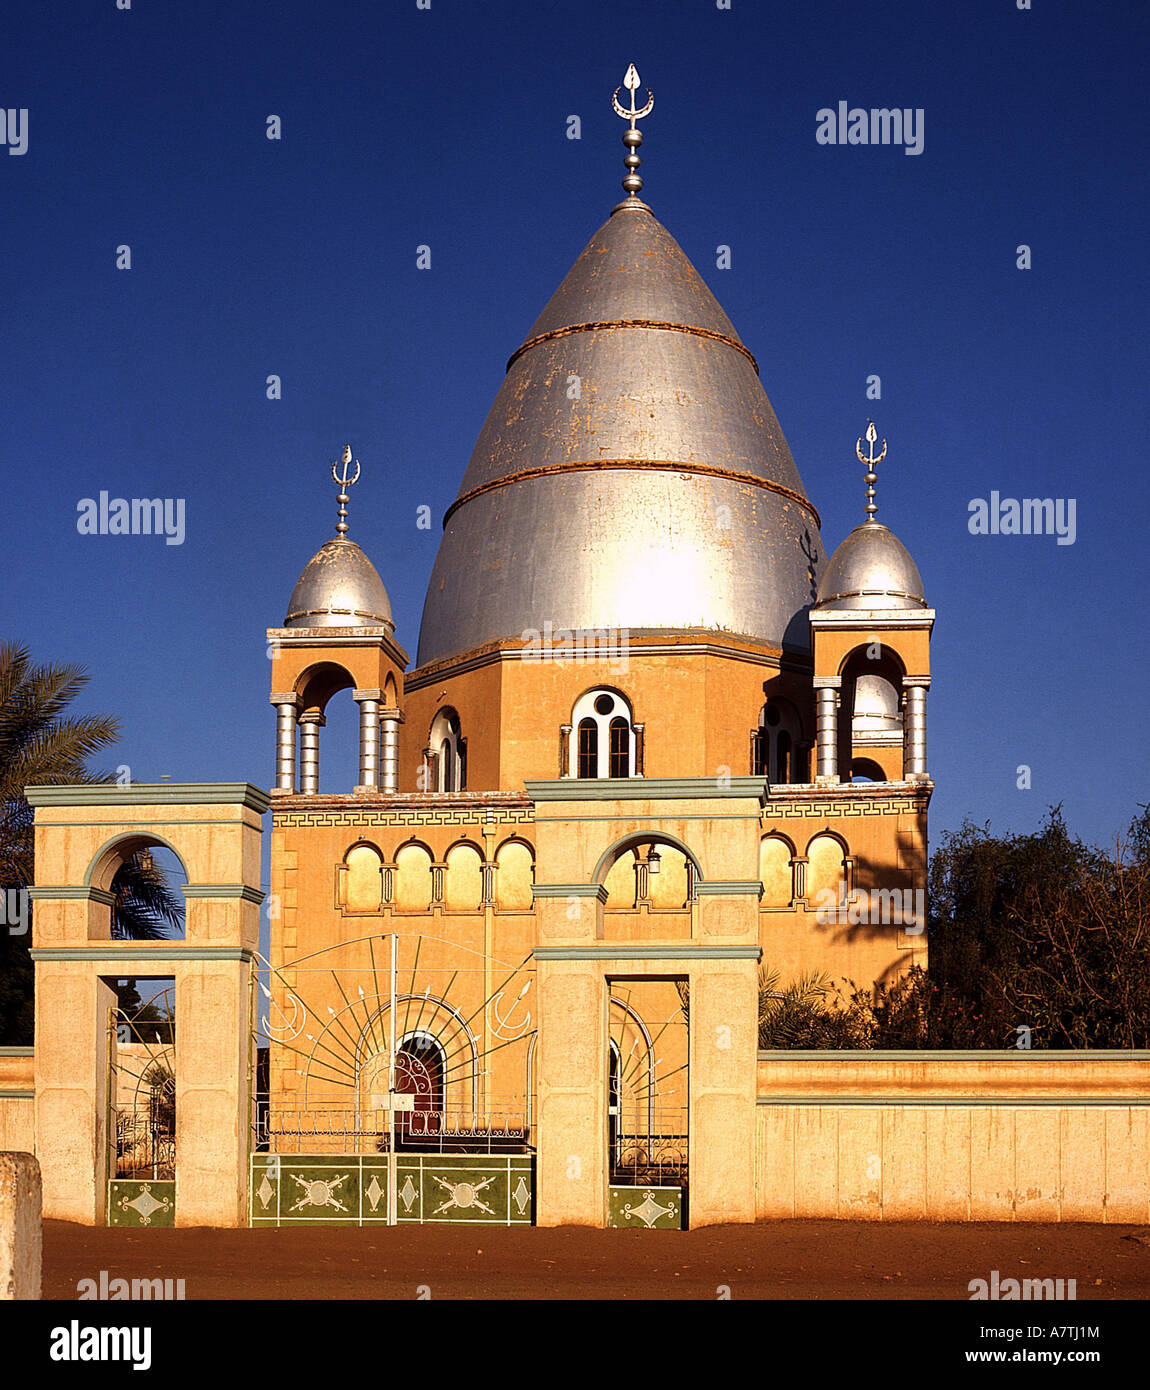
x=866, y=770
x=779, y=753
x=447, y=752
x=606, y=741
x=871, y=714
x=146, y=879
x=327, y=735
x=420, y=1071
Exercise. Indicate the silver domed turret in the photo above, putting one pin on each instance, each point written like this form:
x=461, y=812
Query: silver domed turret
x=340, y=586
x=871, y=568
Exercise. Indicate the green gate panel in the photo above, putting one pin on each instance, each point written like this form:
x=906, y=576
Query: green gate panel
x=326, y=1189
x=318, y=1190
x=466, y=1189
x=645, y=1208
x=141, y=1202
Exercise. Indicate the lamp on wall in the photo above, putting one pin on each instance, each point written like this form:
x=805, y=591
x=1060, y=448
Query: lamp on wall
x=654, y=859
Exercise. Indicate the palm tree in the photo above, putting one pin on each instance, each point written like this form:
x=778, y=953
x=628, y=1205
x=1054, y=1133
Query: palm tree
x=41, y=744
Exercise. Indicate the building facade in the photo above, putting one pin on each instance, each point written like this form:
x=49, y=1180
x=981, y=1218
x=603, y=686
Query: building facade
x=654, y=747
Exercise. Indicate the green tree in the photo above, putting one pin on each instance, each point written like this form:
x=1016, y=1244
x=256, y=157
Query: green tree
x=40, y=743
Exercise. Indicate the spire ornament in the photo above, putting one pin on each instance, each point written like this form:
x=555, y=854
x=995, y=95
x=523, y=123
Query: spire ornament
x=632, y=136
x=869, y=459
x=345, y=480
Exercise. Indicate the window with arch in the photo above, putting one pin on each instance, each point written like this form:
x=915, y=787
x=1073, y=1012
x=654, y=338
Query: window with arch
x=779, y=753
x=361, y=879
x=514, y=875
x=776, y=873
x=448, y=751
x=413, y=878
x=463, y=881
x=605, y=741
x=826, y=868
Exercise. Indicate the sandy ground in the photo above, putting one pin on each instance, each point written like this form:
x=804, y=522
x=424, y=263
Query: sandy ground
x=770, y=1260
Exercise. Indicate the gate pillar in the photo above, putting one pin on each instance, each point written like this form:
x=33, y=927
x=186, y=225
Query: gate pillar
x=82, y=835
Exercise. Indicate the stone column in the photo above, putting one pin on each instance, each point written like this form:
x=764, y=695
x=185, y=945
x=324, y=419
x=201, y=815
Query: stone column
x=827, y=727
x=914, y=766
x=368, y=702
x=639, y=750
x=309, y=726
x=21, y=1236
x=564, y=749
x=390, y=720
x=285, y=704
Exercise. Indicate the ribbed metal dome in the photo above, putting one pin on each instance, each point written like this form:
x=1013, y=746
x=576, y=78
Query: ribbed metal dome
x=631, y=472
x=871, y=569
x=339, y=588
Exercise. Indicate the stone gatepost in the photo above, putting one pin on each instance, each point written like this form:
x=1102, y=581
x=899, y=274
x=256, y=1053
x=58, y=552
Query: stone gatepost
x=580, y=825
x=83, y=834
x=21, y=1239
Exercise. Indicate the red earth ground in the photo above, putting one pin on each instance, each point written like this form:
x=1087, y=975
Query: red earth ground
x=769, y=1260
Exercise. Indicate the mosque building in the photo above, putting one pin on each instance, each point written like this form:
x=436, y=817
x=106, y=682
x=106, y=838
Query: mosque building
x=648, y=722
x=653, y=743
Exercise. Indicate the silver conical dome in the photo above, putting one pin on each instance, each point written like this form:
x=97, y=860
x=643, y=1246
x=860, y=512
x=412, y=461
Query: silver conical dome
x=339, y=588
x=631, y=473
x=871, y=569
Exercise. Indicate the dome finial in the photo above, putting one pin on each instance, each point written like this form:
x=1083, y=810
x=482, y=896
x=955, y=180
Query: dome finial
x=632, y=137
x=345, y=481
x=869, y=459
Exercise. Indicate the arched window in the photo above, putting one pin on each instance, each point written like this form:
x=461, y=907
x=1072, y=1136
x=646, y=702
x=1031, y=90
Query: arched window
x=606, y=742
x=588, y=748
x=778, y=750
x=826, y=868
x=449, y=750
x=463, y=882
x=775, y=871
x=362, y=879
x=413, y=879
x=514, y=875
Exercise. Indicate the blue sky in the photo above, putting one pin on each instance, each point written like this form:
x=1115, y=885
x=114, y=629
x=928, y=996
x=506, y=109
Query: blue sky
x=447, y=127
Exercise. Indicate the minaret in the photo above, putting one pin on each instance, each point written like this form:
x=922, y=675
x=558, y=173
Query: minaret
x=338, y=632
x=870, y=634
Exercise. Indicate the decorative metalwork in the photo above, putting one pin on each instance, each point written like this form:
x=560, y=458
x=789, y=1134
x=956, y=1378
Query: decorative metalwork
x=141, y=1203
x=648, y=1211
x=463, y=1195
x=632, y=136
x=345, y=481
x=869, y=459
x=319, y=1193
